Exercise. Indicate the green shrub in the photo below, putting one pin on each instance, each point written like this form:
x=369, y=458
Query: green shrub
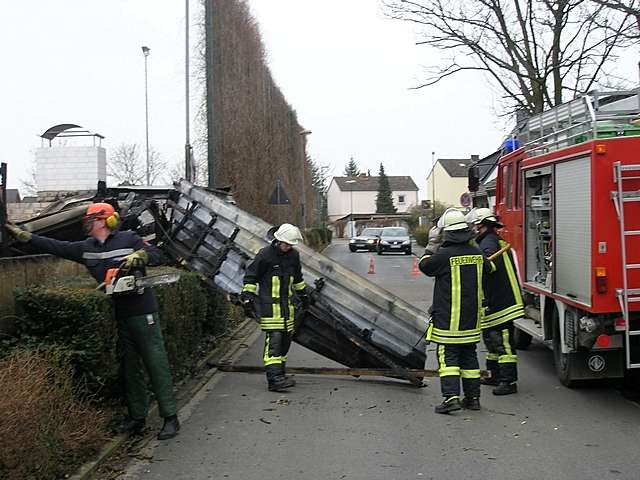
x=48, y=427
x=421, y=233
x=80, y=320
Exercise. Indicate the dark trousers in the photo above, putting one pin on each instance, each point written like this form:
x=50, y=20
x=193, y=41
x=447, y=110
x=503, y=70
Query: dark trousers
x=502, y=360
x=276, y=346
x=455, y=361
x=142, y=348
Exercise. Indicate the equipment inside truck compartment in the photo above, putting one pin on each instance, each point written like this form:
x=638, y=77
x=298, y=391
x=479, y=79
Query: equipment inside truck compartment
x=538, y=221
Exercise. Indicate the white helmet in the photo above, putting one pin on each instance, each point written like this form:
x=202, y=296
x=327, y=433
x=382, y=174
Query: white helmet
x=453, y=219
x=288, y=233
x=485, y=214
x=471, y=216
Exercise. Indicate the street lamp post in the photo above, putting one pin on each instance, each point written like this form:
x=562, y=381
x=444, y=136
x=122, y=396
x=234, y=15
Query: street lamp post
x=303, y=222
x=433, y=184
x=188, y=167
x=351, y=223
x=145, y=52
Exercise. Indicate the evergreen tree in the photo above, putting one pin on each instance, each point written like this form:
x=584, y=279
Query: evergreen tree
x=384, y=200
x=351, y=170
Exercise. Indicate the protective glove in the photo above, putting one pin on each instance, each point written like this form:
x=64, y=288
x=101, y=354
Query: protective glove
x=18, y=233
x=137, y=259
x=248, y=300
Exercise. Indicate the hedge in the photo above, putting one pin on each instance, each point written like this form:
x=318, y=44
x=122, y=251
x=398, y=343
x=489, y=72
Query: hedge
x=73, y=315
x=317, y=238
x=421, y=234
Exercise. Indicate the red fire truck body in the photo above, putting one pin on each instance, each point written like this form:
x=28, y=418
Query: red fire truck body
x=569, y=199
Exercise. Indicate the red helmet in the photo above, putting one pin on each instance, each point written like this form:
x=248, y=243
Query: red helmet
x=100, y=211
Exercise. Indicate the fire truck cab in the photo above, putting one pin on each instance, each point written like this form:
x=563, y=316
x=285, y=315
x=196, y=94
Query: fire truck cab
x=568, y=195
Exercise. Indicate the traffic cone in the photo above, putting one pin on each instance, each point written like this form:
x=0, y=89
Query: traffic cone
x=372, y=267
x=415, y=271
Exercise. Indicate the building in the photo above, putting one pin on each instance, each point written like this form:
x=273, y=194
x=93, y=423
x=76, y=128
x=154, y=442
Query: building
x=349, y=196
x=448, y=181
x=70, y=159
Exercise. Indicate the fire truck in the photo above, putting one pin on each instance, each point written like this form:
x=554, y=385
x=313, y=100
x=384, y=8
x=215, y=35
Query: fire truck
x=568, y=194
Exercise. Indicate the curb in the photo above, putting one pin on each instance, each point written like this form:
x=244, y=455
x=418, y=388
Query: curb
x=86, y=471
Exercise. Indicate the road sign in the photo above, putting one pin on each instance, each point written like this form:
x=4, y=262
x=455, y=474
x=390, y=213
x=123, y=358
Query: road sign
x=279, y=196
x=465, y=199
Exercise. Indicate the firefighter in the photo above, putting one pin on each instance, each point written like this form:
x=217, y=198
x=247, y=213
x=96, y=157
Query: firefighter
x=139, y=333
x=504, y=305
x=458, y=267
x=270, y=283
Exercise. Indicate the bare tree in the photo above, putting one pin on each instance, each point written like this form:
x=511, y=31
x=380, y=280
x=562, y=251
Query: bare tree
x=627, y=7
x=29, y=185
x=536, y=52
x=126, y=165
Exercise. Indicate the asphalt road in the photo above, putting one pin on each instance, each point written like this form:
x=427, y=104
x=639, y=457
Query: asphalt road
x=345, y=428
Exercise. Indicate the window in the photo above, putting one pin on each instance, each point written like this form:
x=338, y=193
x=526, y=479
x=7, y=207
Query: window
x=518, y=184
x=400, y=198
x=507, y=185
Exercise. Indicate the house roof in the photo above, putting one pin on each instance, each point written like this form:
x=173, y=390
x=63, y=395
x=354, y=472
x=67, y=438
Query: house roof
x=370, y=184
x=455, y=167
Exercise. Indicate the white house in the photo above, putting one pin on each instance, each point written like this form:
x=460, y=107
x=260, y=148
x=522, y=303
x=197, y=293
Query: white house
x=348, y=196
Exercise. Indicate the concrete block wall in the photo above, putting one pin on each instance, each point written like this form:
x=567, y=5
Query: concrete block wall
x=19, y=212
x=70, y=168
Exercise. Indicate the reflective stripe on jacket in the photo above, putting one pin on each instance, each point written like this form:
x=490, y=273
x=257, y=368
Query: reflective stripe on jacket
x=274, y=276
x=458, y=268
x=501, y=289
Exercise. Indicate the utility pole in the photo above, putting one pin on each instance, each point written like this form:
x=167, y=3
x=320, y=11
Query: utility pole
x=209, y=64
x=145, y=52
x=303, y=136
x=188, y=167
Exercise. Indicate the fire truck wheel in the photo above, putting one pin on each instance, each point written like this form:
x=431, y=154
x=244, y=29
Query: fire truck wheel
x=562, y=360
x=521, y=339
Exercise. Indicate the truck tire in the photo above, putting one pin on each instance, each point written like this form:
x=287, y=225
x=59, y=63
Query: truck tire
x=561, y=360
x=521, y=339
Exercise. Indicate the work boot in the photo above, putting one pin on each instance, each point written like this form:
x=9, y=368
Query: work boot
x=279, y=384
x=505, y=388
x=170, y=428
x=492, y=381
x=288, y=379
x=471, y=403
x=448, y=405
x=131, y=426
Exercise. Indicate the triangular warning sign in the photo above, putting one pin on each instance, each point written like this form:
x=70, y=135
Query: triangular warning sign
x=279, y=196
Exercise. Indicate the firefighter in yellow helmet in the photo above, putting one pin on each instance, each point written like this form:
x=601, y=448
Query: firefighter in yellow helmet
x=458, y=267
x=504, y=305
x=270, y=283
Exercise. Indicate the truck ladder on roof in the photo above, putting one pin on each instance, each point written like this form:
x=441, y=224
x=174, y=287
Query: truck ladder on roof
x=626, y=295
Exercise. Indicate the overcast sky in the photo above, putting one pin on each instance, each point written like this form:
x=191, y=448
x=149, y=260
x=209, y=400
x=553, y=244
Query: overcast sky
x=341, y=64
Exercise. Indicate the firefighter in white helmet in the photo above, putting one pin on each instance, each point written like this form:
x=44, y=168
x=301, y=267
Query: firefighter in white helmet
x=458, y=267
x=270, y=282
x=504, y=305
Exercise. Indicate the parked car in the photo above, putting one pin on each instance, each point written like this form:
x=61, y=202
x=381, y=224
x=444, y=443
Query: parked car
x=368, y=239
x=394, y=239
